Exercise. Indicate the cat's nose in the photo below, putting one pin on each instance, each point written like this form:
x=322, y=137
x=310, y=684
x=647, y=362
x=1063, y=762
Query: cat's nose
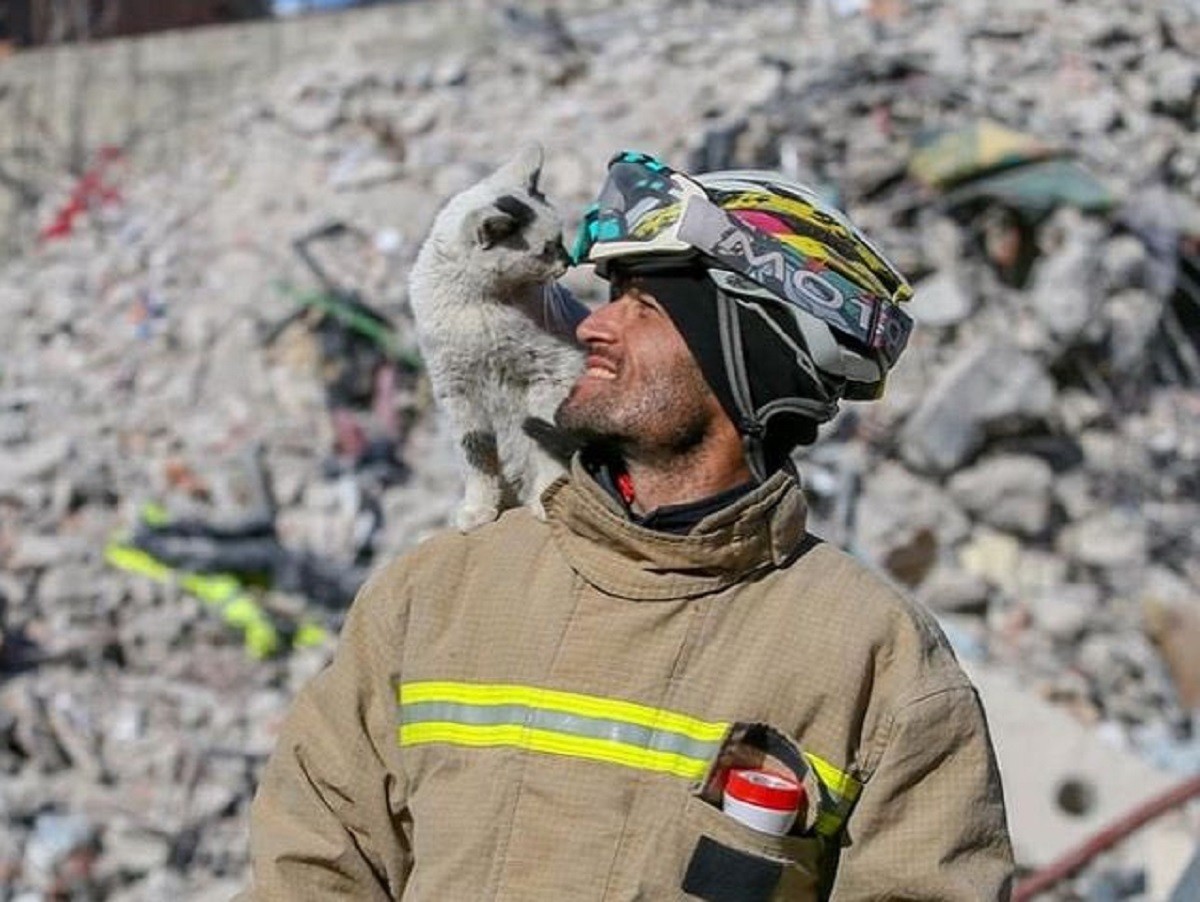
x=556, y=250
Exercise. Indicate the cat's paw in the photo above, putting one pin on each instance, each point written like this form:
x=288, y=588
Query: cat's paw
x=536, y=508
x=472, y=516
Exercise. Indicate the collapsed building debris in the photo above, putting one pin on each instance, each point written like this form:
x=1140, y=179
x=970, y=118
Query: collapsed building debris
x=1031, y=473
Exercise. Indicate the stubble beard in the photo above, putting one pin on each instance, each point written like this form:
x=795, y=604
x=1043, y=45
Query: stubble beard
x=664, y=421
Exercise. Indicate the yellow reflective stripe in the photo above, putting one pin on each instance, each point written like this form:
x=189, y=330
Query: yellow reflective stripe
x=220, y=590
x=551, y=743
x=842, y=790
x=309, y=634
x=840, y=783
x=154, y=514
x=214, y=589
x=556, y=700
x=137, y=561
x=839, y=790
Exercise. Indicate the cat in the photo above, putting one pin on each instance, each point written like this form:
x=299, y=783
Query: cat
x=497, y=334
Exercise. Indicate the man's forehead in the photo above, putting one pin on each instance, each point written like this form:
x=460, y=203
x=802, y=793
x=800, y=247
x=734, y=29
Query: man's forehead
x=644, y=275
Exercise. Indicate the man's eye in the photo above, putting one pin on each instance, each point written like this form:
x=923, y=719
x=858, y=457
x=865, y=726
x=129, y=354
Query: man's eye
x=644, y=301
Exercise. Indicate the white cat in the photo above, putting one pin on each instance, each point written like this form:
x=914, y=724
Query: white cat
x=497, y=334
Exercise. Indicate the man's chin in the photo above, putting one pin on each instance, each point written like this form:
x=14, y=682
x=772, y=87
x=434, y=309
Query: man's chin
x=584, y=419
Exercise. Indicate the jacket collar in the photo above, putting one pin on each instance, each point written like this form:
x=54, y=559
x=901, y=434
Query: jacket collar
x=764, y=528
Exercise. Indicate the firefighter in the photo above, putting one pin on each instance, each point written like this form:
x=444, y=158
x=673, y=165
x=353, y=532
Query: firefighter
x=553, y=710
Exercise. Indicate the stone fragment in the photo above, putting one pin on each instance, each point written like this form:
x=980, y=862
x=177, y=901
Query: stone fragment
x=134, y=851
x=1063, y=292
x=1174, y=628
x=1123, y=263
x=994, y=557
x=1009, y=492
x=953, y=589
x=34, y=461
x=59, y=850
x=940, y=300
x=361, y=166
x=988, y=388
x=1112, y=540
x=1175, y=83
x=1066, y=611
x=911, y=522
x=39, y=552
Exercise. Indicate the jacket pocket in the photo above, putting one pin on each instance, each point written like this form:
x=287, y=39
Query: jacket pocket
x=730, y=862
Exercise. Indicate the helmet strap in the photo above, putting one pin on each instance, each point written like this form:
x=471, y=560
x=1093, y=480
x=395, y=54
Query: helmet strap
x=750, y=427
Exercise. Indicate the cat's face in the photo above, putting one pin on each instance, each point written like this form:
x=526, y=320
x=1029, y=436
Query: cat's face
x=505, y=227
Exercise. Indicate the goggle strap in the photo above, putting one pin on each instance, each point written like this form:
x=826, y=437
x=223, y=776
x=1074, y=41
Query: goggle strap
x=763, y=260
x=586, y=236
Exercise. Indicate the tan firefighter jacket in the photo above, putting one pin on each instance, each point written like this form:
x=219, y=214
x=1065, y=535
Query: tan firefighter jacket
x=543, y=711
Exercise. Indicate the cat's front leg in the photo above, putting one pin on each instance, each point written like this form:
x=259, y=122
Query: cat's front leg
x=482, y=481
x=484, y=489
x=548, y=448
x=545, y=471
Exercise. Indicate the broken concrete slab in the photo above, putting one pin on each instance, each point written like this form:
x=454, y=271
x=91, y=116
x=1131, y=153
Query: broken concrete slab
x=1063, y=781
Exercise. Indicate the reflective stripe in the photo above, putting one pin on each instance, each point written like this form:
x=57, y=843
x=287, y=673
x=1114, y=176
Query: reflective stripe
x=567, y=702
x=591, y=727
x=839, y=792
x=551, y=743
x=558, y=723
x=218, y=590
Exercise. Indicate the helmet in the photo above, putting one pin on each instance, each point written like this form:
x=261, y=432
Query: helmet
x=784, y=263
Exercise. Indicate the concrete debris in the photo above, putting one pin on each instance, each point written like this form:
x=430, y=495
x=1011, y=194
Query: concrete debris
x=202, y=283
x=1175, y=629
x=1010, y=492
x=941, y=301
x=989, y=388
x=1073, y=784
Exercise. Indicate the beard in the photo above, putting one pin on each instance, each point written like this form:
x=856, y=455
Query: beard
x=662, y=418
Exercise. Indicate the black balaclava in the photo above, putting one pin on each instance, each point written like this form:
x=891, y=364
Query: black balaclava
x=689, y=297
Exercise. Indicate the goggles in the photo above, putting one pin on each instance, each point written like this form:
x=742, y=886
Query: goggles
x=647, y=209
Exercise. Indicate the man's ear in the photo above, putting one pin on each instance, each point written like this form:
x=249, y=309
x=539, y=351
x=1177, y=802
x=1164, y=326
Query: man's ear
x=490, y=226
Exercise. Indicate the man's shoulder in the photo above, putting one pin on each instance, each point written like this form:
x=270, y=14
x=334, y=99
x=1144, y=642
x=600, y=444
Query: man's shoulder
x=879, y=615
x=831, y=570
x=515, y=533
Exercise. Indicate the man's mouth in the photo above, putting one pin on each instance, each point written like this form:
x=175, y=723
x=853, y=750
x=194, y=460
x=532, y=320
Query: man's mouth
x=599, y=368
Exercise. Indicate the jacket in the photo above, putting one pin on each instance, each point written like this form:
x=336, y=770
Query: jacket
x=544, y=711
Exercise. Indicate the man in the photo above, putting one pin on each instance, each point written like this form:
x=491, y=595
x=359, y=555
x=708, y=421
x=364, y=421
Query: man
x=549, y=711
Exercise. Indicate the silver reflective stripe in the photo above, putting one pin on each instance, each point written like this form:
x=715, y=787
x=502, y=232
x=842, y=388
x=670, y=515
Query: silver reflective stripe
x=560, y=722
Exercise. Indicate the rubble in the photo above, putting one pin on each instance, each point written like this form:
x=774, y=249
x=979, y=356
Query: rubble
x=1031, y=473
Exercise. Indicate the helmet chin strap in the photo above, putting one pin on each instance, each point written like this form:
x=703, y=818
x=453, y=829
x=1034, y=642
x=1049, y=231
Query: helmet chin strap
x=749, y=427
x=752, y=423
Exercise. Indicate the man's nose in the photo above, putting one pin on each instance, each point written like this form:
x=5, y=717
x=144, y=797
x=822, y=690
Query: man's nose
x=596, y=327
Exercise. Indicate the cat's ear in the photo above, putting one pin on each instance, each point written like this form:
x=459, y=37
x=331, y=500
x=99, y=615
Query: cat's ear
x=490, y=226
x=525, y=168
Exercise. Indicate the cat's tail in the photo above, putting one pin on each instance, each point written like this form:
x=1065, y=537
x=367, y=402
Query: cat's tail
x=558, y=443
